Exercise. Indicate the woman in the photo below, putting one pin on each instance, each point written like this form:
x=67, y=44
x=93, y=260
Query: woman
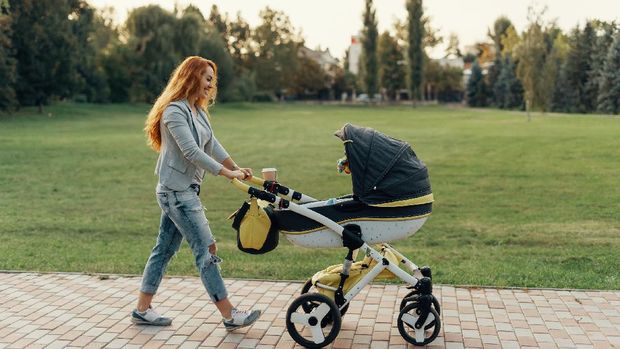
x=179, y=129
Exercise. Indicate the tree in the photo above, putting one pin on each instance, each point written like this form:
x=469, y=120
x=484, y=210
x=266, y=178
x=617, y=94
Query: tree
x=510, y=41
x=391, y=65
x=508, y=91
x=240, y=44
x=431, y=37
x=476, y=87
x=309, y=79
x=609, y=85
x=220, y=24
x=369, y=49
x=500, y=27
x=552, y=73
x=453, y=46
x=500, y=30
x=118, y=65
x=189, y=31
x=92, y=85
x=242, y=50
x=218, y=21
x=426, y=36
x=443, y=82
x=576, y=72
x=605, y=37
x=44, y=49
x=276, y=53
x=492, y=79
x=195, y=36
x=346, y=82
x=450, y=87
x=554, y=54
x=485, y=52
x=590, y=88
x=531, y=56
x=415, y=51
x=152, y=39
x=213, y=47
x=7, y=61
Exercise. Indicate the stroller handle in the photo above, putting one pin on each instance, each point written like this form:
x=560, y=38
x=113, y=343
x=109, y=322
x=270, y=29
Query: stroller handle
x=240, y=185
x=244, y=187
x=258, y=193
x=272, y=188
x=256, y=180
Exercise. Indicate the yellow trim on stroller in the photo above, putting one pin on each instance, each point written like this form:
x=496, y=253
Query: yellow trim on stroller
x=426, y=199
x=395, y=219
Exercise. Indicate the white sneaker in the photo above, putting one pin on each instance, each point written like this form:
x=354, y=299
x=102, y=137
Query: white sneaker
x=241, y=318
x=149, y=317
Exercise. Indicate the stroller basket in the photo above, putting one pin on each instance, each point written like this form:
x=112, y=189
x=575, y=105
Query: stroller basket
x=327, y=280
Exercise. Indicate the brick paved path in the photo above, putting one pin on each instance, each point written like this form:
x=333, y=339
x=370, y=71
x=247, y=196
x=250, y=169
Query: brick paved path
x=68, y=310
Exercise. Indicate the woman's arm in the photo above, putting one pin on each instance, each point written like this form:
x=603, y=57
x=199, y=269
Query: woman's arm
x=176, y=122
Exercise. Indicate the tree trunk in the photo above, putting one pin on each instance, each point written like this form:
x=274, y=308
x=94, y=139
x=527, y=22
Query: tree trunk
x=527, y=109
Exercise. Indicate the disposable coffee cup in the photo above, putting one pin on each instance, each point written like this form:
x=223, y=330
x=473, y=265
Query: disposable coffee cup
x=270, y=174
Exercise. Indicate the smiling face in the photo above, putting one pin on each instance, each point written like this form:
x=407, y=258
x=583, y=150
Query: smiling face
x=206, y=83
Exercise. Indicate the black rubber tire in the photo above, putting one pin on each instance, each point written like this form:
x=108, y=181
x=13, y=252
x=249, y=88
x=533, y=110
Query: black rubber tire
x=403, y=332
x=412, y=293
x=409, y=299
x=334, y=315
x=306, y=288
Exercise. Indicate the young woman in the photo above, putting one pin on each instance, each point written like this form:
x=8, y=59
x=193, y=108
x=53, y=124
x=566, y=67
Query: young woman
x=178, y=128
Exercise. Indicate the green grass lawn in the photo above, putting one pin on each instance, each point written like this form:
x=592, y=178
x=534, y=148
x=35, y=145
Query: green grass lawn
x=518, y=203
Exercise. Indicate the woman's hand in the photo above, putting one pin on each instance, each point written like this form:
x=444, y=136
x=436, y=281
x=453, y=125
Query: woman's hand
x=247, y=171
x=232, y=174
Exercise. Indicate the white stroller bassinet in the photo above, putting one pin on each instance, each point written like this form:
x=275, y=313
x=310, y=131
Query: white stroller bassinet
x=377, y=224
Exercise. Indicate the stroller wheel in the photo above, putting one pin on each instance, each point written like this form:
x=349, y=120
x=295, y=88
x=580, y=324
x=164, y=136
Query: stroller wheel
x=307, y=287
x=313, y=324
x=414, y=298
x=407, y=319
x=412, y=293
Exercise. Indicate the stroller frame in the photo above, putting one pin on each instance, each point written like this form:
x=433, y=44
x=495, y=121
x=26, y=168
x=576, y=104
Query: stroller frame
x=419, y=308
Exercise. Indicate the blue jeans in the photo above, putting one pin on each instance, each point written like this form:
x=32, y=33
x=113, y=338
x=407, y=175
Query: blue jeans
x=183, y=217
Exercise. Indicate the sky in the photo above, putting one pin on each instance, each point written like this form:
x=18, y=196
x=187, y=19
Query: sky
x=331, y=23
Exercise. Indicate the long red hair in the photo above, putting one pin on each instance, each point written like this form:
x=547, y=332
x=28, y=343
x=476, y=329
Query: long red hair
x=184, y=82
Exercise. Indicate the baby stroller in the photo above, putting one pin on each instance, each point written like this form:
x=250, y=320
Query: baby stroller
x=391, y=200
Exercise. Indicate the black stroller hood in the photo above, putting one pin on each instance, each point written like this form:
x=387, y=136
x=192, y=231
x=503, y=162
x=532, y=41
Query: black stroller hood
x=385, y=171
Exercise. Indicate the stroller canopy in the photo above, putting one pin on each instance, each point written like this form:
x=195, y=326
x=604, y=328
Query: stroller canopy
x=385, y=171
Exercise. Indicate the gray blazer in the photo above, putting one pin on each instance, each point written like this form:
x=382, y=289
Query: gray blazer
x=180, y=154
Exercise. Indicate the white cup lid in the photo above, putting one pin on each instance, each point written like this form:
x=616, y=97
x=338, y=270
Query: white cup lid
x=270, y=169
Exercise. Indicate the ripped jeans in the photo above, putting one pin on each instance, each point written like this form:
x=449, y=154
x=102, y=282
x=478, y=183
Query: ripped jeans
x=183, y=217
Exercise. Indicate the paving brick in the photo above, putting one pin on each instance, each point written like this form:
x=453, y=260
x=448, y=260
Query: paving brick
x=92, y=313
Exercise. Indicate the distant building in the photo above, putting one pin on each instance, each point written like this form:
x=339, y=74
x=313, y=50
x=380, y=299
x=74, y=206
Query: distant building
x=328, y=63
x=452, y=62
x=322, y=57
x=355, y=51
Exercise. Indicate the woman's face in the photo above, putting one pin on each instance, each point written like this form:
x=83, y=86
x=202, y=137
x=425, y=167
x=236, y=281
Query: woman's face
x=206, y=83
